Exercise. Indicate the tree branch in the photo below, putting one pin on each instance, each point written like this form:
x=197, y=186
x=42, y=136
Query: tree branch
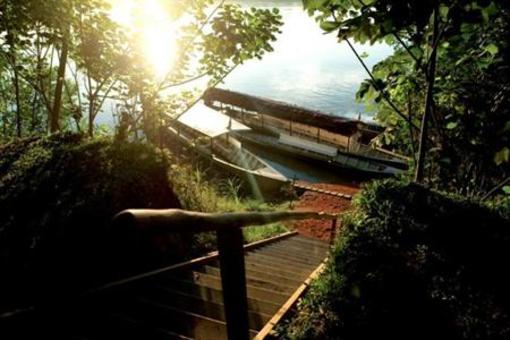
x=380, y=90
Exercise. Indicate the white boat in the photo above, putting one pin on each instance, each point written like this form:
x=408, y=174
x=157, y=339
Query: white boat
x=210, y=134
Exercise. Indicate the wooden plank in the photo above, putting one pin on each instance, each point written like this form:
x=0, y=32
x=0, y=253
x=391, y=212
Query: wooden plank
x=302, y=244
x=285, y=263
x=263, y=275
x=211, y=281
x=216, y=296
x=268, y=328
x=303, y=252
x=255, y=281
x=184, y=322
x=156, y=221
x=282, y=269
x=304, y=256
x=195, y=304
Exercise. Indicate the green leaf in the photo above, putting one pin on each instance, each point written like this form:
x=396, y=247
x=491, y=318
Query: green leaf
x=443, y=11
x=506, y=189
x=451, y=125
x=492, y=49
x=330, y=26
x=502, y=156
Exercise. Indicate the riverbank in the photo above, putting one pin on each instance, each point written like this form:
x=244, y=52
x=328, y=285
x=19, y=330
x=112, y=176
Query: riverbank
x=315, y=201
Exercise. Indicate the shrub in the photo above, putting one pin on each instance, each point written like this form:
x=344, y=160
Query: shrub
x=57, y=197
x=412, y=263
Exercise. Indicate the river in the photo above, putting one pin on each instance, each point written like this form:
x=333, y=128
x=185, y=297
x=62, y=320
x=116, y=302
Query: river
x=307, y=67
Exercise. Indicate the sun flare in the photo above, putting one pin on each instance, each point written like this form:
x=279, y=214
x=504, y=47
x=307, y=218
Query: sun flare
x=157, y=31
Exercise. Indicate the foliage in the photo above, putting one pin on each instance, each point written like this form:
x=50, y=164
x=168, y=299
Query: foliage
x=257, y=233
x=61, y=61
x=412, y=263
x=467, y=134
x=58, y=195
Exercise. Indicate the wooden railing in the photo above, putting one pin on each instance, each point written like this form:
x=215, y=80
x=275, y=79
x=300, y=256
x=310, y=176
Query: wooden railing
x=228, y=227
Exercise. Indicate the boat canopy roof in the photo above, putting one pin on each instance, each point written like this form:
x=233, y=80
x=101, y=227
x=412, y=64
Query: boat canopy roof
x=286, y=111
x=209, y=121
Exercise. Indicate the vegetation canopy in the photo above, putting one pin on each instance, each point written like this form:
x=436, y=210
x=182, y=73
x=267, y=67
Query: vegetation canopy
x=411, y=263
x=58, y=195
x=64, y=62
x=444, y=94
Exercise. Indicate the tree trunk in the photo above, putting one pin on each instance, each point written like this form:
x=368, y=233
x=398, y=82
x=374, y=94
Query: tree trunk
x=19, y=121
x=410, y=128
x=91, y=124
x=57, y=101
x=10, y=38
x=429, y=102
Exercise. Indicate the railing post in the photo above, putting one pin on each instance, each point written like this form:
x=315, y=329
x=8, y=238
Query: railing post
x=233, y=282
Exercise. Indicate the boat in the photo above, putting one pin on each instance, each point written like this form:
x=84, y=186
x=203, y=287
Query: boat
x=211, y=134
x=307, y=134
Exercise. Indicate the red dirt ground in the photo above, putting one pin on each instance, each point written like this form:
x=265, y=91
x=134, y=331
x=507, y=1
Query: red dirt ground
x=323, y=203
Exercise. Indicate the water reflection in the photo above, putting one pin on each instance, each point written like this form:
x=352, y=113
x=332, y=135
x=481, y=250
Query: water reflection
x=307, y=68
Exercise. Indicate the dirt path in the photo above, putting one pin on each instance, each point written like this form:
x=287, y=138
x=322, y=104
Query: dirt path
x=322, y=202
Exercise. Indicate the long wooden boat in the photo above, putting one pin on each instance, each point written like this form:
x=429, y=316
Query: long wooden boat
x=307, y=134
x=330, y=157
x=210, y=135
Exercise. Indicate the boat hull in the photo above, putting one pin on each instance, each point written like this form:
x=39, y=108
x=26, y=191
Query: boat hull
x=307, y=155
x=259, y=183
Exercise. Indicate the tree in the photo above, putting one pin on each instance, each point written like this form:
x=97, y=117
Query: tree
x=443, y=50
x=211, y=44
x=66, y=58
x=13, y=20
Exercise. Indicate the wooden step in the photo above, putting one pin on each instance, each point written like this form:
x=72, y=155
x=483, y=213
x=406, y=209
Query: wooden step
x=216, y=296
x=297, y=274
x=254, y=281
x=176, y=320
x=308, y=240
x=254, y=292
x=187, y=303
x=119, y=326
x=194, y=304
x=300, y=249
x=299, y=258
x=264, y=275
x=281, y=253
x=287, y=263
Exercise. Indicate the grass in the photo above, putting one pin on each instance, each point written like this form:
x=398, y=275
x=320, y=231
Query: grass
x=256, y=233
x=198, y=192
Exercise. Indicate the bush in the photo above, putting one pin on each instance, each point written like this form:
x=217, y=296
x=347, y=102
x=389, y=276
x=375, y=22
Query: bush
x=57, y=198
x=412, y=263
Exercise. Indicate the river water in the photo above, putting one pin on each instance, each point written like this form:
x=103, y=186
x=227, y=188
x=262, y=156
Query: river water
x=307, y=67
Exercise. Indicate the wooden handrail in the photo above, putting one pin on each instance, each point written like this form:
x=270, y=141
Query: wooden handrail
x=230, y=247
x=177, y=220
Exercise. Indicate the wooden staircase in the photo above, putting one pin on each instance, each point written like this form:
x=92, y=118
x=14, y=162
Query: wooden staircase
x=187, y=303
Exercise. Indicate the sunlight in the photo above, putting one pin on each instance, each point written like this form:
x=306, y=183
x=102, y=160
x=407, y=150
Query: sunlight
x=158, y=33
